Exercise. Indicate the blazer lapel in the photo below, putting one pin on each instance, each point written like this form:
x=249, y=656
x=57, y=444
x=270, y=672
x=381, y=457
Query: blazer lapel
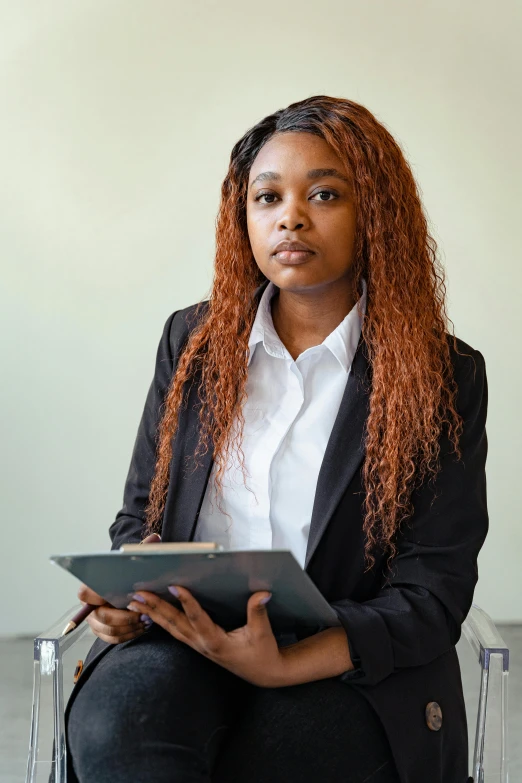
x=344, y=451
x=189, y=485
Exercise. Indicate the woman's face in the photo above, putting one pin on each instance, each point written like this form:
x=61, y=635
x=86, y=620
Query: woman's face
x=296, y=199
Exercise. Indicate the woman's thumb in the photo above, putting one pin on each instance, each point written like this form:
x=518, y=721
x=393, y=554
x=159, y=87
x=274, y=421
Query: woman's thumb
x=154, y=538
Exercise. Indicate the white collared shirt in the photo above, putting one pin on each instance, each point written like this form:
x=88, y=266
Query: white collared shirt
x=289, y=415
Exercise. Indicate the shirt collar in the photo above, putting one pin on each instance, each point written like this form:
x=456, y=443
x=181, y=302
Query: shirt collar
x=342, y=342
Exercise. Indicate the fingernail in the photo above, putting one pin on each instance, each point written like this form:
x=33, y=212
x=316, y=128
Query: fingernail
x=145, y=618
x=139, y=598
x=265, y=600
x=133, y=609
x=174, y=590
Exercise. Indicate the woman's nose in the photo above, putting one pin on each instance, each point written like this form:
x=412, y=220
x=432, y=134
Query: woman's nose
x=291, y=225
x=292, y=214
x=292, y=217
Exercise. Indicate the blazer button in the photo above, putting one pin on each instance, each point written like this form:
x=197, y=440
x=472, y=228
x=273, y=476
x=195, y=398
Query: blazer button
x=433, y=716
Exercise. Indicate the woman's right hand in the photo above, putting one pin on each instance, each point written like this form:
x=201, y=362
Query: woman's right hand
x=108, y=623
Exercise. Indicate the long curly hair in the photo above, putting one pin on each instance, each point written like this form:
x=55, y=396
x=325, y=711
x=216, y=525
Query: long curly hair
x=413, y=393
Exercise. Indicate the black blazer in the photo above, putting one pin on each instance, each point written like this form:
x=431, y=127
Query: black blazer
x=402, y=626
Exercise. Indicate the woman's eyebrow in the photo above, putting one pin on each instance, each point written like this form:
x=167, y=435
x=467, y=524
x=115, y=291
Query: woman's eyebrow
x=312, y=174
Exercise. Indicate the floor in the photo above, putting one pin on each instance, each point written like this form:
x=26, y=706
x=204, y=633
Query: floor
x=16, y=675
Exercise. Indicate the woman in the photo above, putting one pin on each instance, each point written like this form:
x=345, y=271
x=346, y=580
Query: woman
x=320, y=369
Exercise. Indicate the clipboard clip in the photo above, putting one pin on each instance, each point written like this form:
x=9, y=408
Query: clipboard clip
x=174, y=546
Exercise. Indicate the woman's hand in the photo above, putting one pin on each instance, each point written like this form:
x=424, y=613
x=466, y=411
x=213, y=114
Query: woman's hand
x=110, y=624
x=251, y=651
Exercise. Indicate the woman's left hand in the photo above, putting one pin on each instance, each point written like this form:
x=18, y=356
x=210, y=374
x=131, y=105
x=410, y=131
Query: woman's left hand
x=251, y=651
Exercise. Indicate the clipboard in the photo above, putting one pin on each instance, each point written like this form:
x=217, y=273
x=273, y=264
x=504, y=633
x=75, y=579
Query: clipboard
x=221, y=580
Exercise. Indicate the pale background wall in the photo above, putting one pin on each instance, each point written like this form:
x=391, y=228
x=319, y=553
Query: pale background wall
x=117, y=121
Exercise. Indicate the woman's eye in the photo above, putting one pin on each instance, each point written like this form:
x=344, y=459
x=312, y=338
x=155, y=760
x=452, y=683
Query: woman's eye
x=262, y=195
x=328, y=192
x=272, y=195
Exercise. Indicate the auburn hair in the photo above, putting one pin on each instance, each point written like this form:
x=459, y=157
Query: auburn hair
x=413, y=393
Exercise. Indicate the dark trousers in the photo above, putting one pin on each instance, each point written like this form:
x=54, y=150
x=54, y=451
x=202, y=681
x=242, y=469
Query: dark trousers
x=156, y=711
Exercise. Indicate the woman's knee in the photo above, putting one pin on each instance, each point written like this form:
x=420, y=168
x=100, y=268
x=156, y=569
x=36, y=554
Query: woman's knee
x=100, y=718
x=157, y=690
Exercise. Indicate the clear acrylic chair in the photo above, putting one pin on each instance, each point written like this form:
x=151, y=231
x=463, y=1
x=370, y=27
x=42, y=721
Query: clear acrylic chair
x=487, y=707
x=482, y=652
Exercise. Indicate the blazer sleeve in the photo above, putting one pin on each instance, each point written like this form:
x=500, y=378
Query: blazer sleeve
x=130, y=520
x=417, y=614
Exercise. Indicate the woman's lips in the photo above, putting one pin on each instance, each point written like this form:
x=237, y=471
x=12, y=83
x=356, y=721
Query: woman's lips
x=293, y=256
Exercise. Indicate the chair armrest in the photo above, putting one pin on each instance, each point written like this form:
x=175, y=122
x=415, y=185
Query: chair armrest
x=54, y=636
x=484, y=638
x=55, y=661
x=490, y=754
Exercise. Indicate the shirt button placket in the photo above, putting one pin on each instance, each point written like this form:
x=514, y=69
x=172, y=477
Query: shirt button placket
x=287, y=414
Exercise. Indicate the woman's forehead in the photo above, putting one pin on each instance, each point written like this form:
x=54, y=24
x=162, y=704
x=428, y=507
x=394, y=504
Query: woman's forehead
x=296, y=155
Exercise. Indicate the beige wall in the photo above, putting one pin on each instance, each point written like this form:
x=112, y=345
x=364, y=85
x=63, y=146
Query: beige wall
x=118, y=118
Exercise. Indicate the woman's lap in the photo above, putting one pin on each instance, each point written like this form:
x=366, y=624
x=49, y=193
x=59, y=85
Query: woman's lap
x=153, y=709
x=321, y=730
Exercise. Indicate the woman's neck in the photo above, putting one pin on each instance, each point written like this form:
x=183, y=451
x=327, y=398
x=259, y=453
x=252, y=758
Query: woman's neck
x=304, y=320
